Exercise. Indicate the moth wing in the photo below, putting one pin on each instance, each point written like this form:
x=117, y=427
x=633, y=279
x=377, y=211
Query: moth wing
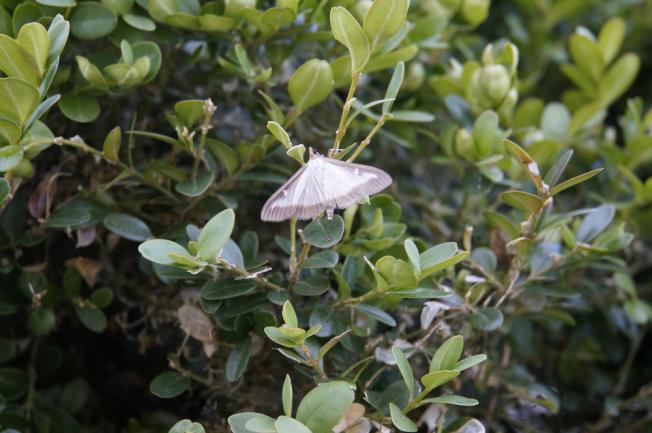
x=347, y=183
x=300, y=197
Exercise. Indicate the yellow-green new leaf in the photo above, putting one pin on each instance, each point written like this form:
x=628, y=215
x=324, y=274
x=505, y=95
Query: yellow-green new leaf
x=33, y=38
x=384, y=19
x=19, y=99
x=619, y=77
x=586, y=55
x=611, y=38
x=522, y=200
x=112, y=142
x=447, y=355
x=575, y=180
x=349, y=33
x=438, y=378
x=310, y=84
x=15, y=61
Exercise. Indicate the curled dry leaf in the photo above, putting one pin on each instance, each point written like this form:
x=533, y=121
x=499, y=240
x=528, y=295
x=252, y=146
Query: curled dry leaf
x=352, y=416
x=89, y=269
x=85, y=236
x=195, y=323
x=41, y=199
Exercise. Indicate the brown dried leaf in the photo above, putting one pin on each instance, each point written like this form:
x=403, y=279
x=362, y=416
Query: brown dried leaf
x=85, y=236
x=89, y=269
x=195, y=323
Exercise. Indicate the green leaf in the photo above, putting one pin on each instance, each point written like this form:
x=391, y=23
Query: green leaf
x=438, y=378
x=65, y=217
x=10, y=157
x=58, y=3
x=140, y=22
x=310, y=84
x=92, y=318
x=405, y=369
x=611, y=38
x=384, y=19
x=400, y=421
x=412, y=116
x=394, y=86
x=102, y=297
x=287, y=395
x=574, y=181
x=522, y=200
x=127, y=226
x=80, y=108
x=558, y=167
x=528, y=164
x=288, y=337
x=348, y=32
x=190, y=111
x=453, y=399
x=289, y=316
x=215, y=234
x=112, y=143
x=323, y=407
x=398, y=273
x=226, y=289
x=19, y=99
x=58, y=35
x=375, y=313
x=187, y=426
x=91, y=73
x=595, y=222
x=413, y=254
x=586, y=55
x=322, y=260
x=236, y=363
x=280, y=133
x=418, y=293
x=159, y=250
x=330, y=344
x=92, y=20
x=15, y=62
x=286, y=424
x=448, y=354
x=619, y=77
x=238, y=421
x=197, y=186
x=13, y=383
x=470, y=362
x=5, y=189
x=41, y=321
x=487, y=319
x=33, y=39
x=169, y=384
x=324, y=233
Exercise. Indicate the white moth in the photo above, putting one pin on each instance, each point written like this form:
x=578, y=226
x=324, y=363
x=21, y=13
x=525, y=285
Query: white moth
x=323, y=184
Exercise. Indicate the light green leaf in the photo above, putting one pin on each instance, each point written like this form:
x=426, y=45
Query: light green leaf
x=413, y=255
x=400, y=421
x=384, y=19
x=586, y=55
x=286, y=424
x=187, y=426
x=19, y=99
x=16, y=62
x=289, y=316
x=310, y=84
x=112, y=143
x=80, y=108
x=348, y=32
x=448, y=354
x=324, y=406
x=611, y=38
x=33, y=39
x=595, y=222
x=10, y=157
x=470, y=362
x=197, y=186
x=438, y=378
x=375, y=313
x=405, y=369
x=287, y=395
x=522, y=200
x=574, y=181
x=453, y=399
x=324, y=233
x=215, y=234
x=619, y=77
x=159, y=250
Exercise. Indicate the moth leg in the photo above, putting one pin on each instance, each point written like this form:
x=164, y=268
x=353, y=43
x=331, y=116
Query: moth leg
x=329, y=214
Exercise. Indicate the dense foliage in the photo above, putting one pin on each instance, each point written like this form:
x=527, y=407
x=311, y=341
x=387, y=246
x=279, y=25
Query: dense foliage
x=502, y=283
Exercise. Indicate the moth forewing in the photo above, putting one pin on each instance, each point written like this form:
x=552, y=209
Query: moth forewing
x=323, y=184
